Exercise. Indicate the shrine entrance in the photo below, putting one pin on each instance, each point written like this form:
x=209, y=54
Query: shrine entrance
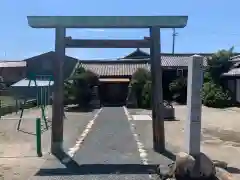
x=113, y=91
x=153, y=23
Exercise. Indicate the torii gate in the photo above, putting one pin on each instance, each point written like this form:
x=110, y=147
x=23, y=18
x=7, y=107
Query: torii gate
x=153, y=23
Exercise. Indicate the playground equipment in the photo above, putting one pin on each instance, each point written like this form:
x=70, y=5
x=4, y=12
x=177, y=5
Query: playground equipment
x=42, y=84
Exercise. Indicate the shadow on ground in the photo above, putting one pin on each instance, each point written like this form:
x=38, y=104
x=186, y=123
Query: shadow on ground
x=170, y=155
x=73, y=168
x=43, y=129
x=233, y=170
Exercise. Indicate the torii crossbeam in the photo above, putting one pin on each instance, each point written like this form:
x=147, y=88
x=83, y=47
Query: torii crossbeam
x=154, y=23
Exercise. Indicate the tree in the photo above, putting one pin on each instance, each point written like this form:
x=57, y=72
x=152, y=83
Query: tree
x=147, y=95
x=79, y=88
x=139, y=79
x=214, y=93
x=218, y=64
x=178, y=88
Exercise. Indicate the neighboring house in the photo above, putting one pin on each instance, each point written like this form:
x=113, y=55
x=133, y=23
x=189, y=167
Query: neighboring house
x=233, y=78
x=12, y=71
x=42, y=66
x=115, y=75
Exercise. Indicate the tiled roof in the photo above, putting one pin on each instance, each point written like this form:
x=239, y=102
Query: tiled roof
x=235, y=58
x=233, y=72
x=126, y=67
x=178, y=60
x=114, y=68
x=147, y=51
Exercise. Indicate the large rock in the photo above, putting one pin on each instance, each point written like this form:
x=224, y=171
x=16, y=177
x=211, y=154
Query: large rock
x=222, y=174
x=187, y=166
x=221, y=164
x=206, y=165
x=184, y=164
x=166, y=171
x=194, y=167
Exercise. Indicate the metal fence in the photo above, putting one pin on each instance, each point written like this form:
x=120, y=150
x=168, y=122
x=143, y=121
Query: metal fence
x=9, y=102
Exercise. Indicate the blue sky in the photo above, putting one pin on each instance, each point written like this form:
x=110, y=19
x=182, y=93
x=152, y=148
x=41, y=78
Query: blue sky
x=212, y=25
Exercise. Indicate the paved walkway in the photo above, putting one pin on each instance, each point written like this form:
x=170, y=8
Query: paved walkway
x=109, y=151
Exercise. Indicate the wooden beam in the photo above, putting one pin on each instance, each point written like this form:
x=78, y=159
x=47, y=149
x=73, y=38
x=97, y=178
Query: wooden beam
x=107, y=21
x=87, y=43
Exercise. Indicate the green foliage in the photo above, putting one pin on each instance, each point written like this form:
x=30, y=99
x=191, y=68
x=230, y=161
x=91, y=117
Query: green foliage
x=68, y=92
x=139, y=79
x=147, y=95
x=213, y=95
x=178, y=88
x=218, y=64
x=78, y=90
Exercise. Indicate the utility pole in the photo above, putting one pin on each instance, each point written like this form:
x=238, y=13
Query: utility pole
x=174, y=36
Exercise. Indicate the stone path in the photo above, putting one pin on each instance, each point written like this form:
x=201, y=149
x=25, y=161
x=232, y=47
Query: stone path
x=109, y=151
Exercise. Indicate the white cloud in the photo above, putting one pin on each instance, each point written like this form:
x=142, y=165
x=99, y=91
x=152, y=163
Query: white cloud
x=95, y=30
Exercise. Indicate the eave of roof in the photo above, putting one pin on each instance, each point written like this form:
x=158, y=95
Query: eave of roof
x=128, y=67
x=12, y=64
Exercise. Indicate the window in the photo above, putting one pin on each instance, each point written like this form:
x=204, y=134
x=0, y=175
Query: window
x=179, y=72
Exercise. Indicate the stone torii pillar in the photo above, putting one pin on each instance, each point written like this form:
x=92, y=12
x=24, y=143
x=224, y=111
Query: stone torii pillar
x=157, y=93
x=58, y=105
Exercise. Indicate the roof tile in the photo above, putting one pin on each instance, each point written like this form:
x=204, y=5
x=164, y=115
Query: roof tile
x=126, y=67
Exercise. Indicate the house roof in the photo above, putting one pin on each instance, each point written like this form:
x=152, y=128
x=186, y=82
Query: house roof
x=51, y=54
x=233, y=72
x=12, y=64
x=235, y=58
x=114, y=68
x=126, y=67
x=25, y=83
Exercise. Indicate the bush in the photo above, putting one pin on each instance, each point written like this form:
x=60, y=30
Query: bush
x=68, y=93
x=178, y=88
x=139, y=79
x=147, y=95
x=78, y=90
x=213, y=95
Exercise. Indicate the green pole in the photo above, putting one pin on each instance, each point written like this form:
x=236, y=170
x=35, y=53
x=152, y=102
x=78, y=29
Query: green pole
x=0, y=109
x=38, y=137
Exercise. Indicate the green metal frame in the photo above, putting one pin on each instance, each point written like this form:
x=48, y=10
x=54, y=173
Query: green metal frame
x=41, y=101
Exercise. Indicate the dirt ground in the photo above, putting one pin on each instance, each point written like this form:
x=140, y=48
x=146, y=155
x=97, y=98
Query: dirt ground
x=18, y=157
x=220, y=133
x=18, y=148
